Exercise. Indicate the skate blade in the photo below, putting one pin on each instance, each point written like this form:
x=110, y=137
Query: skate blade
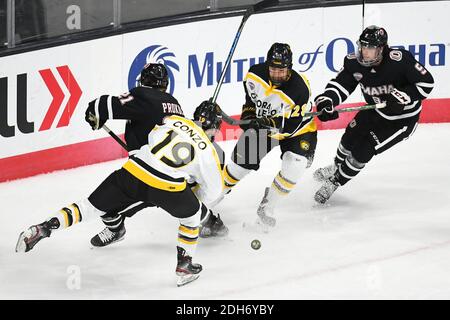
x=185, y=279
x=256, y=227
x=223, y=234
x=321, y=201
x=21, y=246
x=92, y=247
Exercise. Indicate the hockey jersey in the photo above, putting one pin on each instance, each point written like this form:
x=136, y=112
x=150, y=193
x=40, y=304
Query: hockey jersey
x=179, y=151
x=282, y=104
x=143, y=107
x=398, y=70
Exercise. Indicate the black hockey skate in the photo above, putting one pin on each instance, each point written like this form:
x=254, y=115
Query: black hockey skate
x=186, y=270
x=328, y=188
x=30, y=237
x=322, y=174
x=107, y=237
x=213, y=227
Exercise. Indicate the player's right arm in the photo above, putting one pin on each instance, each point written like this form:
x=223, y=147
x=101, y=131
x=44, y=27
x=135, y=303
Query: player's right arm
x=133, y=105
x=248, y=109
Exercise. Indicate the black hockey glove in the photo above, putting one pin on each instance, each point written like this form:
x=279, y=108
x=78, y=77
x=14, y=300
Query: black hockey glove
x=248, y=112
x=397, y=99
x=90, y=117
x=205, y=106
x=325, y=105
x=262, y=123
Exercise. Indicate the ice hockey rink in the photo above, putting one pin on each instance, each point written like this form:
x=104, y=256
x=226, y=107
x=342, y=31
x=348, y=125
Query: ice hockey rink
x=385, y=235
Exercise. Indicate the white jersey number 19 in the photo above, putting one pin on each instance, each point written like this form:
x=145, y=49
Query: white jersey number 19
x=182, y=152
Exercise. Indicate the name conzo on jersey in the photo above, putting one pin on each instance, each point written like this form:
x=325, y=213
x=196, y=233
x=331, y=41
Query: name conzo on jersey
x=195, y=137
x=377, y=91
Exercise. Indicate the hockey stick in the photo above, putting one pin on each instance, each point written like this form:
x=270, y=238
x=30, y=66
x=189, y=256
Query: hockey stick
x=112, y=134
x=250, y=10
x=350, y=109
x=312, y=114
x=115, y=137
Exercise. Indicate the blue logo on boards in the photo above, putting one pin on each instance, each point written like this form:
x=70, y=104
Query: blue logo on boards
x=153, y=54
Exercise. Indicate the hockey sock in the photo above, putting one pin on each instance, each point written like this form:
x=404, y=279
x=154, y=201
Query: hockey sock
x=232, y=174
x=348, y=170
x=113, y=222
x=188, y=232
x=75, y=213
x=341, y=154
x=292, y=168
x=68, y=216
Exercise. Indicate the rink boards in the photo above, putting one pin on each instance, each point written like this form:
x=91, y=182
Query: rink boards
x=44, y=93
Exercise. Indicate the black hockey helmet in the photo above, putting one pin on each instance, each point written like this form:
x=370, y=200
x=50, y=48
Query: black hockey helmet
x=279, y=56
x=372, y=37
x=209, y=115
x=154, y=75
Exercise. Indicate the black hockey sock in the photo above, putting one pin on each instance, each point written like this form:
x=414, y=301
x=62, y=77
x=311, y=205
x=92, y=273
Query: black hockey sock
x=341, y=154
x=113, y=222
x=348, y=169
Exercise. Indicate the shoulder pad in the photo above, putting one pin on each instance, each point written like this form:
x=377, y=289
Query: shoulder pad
x=396, y=55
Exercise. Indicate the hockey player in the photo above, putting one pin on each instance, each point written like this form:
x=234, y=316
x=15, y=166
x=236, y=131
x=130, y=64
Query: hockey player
x=386, y=75
x=177, y=150
x=275, y=96
x=143, y=107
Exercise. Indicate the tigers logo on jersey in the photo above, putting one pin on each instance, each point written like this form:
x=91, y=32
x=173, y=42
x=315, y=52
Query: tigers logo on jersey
x=304, y=145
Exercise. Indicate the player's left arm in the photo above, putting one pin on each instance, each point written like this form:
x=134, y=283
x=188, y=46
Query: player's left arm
x=210, y=180
x=420, y=80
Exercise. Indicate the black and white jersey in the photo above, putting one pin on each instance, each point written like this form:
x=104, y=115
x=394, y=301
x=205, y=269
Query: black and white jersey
x=398, y=70
x=283, y=104
x=143, y=107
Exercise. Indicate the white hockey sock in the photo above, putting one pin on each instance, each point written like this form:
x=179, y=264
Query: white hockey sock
x=292, y=168
x=188, y=232
x=75, y=213
x=232, y=174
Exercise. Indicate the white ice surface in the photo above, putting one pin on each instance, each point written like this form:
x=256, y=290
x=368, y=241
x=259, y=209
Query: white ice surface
x=384, y=235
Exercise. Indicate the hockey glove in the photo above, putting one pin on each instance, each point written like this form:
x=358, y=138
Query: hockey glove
x=398, y=98
x=91, y=117
x=325, y=106
x=262, y=123
x=205, y=107
x=248, y=112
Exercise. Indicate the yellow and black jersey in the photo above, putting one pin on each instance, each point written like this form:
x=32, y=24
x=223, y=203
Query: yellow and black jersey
x=283, y=104
x=178, y=151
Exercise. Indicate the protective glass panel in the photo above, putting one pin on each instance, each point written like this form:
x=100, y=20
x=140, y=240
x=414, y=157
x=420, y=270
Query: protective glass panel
x=41, y=19
x=3, y=19
x=136, y=10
